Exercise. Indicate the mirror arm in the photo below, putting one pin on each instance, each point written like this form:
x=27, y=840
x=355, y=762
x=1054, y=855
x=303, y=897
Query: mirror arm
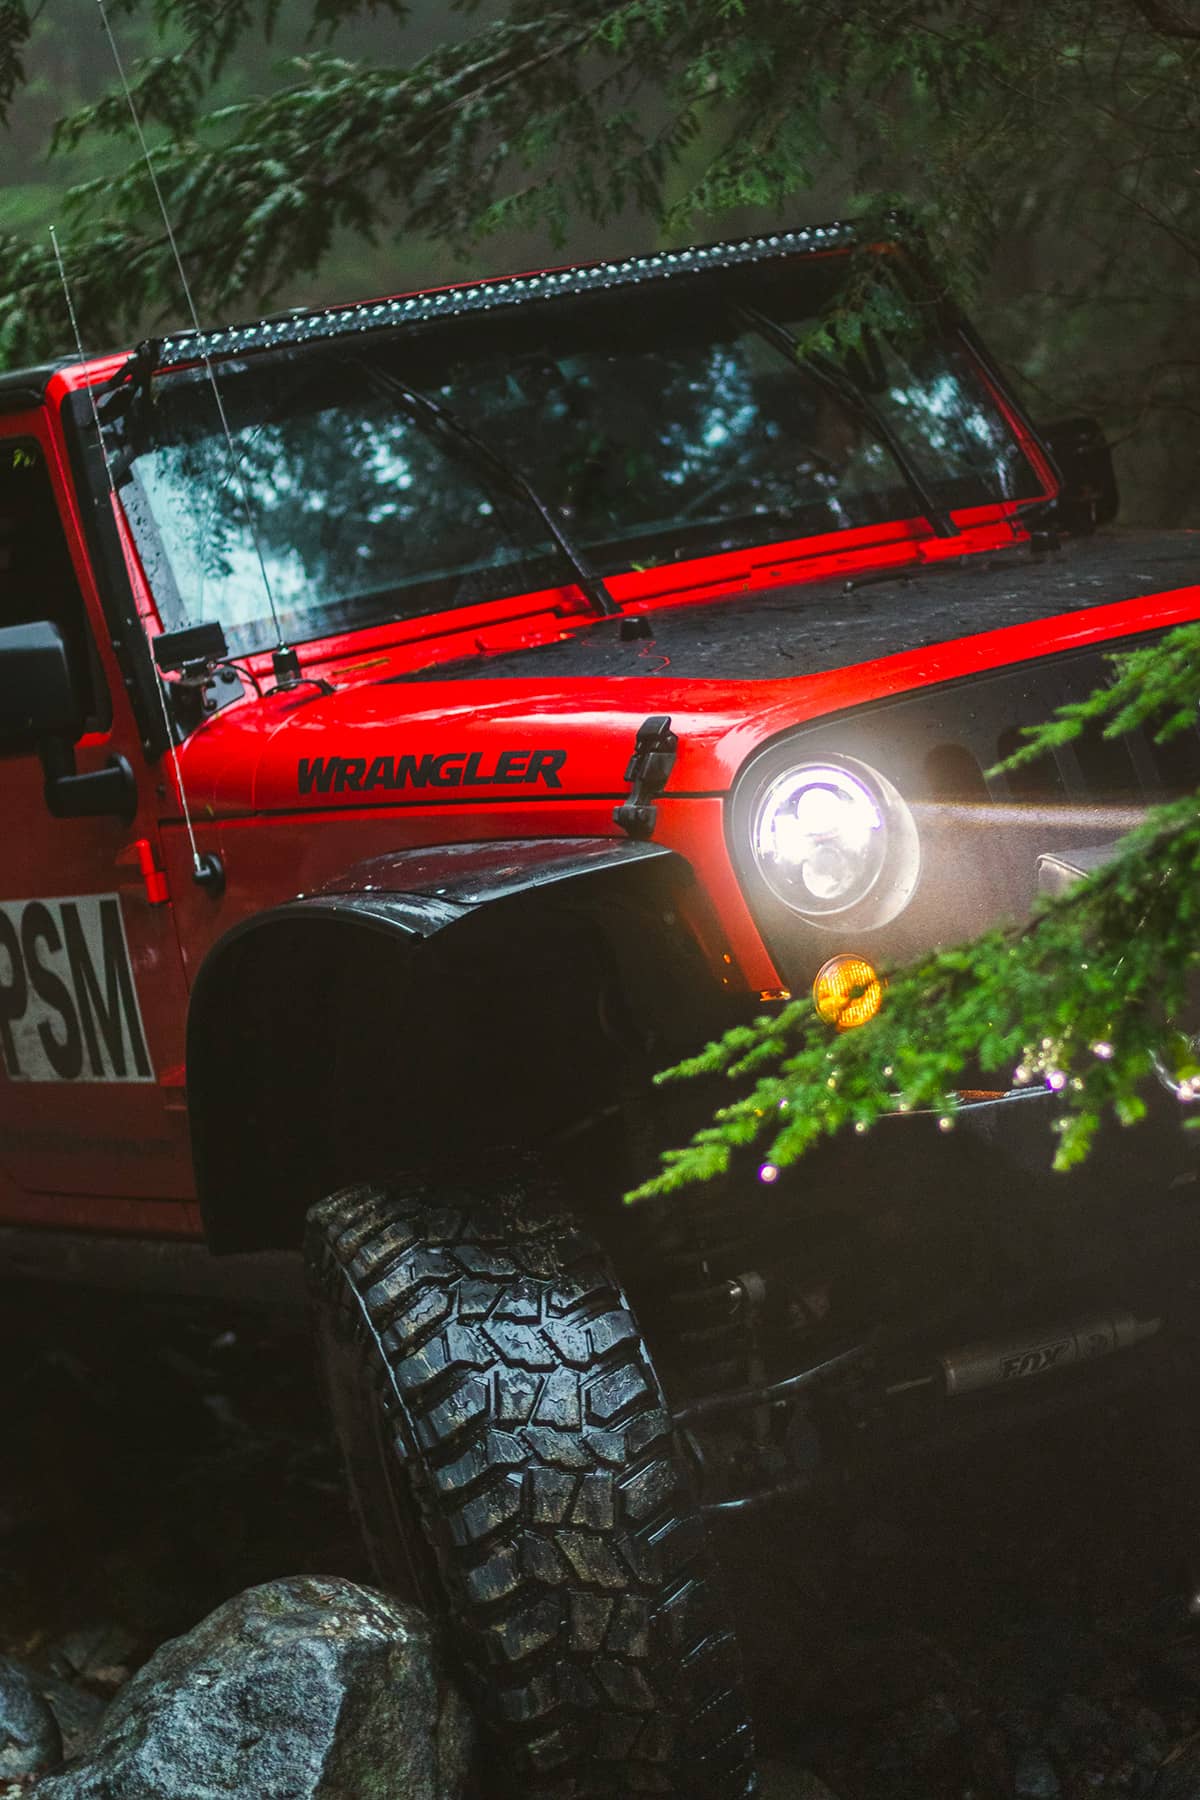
x=107, y=792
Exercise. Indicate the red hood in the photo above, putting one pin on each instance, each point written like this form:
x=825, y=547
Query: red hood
x=481, y=740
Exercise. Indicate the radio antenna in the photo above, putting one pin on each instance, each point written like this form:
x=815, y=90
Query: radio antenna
x=284, y=658
x=202, y=866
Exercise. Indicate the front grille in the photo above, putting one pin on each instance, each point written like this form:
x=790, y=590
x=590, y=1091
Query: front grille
x=981, y=834
x=971, y=726
x=1130, y=770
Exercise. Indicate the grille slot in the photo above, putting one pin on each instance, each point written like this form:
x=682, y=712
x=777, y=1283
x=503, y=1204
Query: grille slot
x=952, y=773
x=1105, y=767
x=1173, y=768
x=1040, y=779
x=1130, y=770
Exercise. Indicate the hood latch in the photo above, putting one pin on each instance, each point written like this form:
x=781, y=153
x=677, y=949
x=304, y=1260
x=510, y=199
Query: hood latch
x=649, y=771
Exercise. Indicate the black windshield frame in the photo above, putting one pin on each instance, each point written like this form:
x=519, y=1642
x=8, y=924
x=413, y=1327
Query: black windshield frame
x=707, y=303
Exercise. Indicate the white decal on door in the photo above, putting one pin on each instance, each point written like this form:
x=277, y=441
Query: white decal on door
x=68, y=1005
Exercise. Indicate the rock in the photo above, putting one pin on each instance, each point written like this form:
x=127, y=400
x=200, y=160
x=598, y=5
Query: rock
x=304, y=1689
x=77, y=1710
x=93, y=1653
x=30, y=1742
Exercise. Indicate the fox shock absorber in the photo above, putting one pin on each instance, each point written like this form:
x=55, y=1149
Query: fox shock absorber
x=1003, y=1362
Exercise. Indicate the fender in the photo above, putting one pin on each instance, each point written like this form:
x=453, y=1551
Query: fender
x=258, y=1059
x=460, y=876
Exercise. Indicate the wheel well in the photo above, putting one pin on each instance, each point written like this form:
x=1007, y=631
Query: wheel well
x=323, y=1052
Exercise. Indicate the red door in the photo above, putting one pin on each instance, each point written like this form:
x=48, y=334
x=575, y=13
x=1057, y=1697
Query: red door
x=93, y=1129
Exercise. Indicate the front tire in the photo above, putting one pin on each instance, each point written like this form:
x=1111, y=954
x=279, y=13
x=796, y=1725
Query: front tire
x=514, y=1466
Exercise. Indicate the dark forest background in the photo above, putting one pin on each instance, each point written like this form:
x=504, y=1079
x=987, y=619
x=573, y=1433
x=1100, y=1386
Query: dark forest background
x=1052, y=149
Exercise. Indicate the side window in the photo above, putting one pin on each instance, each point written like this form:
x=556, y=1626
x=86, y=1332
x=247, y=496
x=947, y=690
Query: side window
x=37, y=576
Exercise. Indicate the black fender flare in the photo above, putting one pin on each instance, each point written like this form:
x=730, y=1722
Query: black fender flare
x=405, y=897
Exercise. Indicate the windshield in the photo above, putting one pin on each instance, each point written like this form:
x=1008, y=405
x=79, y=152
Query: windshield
x=658, y=427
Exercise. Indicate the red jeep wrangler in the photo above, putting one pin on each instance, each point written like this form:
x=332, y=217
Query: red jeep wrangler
x=424, y=719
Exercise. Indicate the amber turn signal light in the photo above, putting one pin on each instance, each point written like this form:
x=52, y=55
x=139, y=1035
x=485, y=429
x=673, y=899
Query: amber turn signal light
x=847, y=991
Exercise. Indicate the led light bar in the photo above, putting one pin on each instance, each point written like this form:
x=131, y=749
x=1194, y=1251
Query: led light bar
x=487, y=296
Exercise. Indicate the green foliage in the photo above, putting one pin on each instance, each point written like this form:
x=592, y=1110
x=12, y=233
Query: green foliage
x=1082, y=998
x=14, y=35
x=1043, y=122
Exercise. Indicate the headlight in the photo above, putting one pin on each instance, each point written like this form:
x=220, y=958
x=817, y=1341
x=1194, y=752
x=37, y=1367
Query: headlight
x=835, y=842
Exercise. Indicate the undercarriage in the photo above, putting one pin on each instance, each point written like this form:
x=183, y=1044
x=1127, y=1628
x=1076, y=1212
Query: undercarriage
x=924, y=1288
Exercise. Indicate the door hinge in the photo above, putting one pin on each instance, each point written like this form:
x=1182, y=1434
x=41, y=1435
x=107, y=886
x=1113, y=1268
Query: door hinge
x=140, y=855
x=649, y=771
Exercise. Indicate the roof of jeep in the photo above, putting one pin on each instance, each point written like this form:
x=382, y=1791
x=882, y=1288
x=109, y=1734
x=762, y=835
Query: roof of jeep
x=23, y=389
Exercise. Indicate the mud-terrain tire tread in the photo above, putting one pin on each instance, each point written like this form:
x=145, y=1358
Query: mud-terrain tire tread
x=539, y=1449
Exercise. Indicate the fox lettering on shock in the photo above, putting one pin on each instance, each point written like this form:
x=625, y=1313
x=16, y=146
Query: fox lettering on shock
x=452, y=769
x=1036, y=1361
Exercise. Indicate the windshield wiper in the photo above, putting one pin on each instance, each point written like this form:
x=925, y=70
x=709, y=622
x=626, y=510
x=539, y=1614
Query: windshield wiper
x=827, y=374
x=424, y=406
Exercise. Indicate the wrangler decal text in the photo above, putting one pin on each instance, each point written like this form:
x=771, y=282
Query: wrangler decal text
x=452, y=769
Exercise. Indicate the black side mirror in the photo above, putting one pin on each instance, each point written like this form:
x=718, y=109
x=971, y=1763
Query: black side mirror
x=37, y=688
x=40, y=709
x=1081, y=454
